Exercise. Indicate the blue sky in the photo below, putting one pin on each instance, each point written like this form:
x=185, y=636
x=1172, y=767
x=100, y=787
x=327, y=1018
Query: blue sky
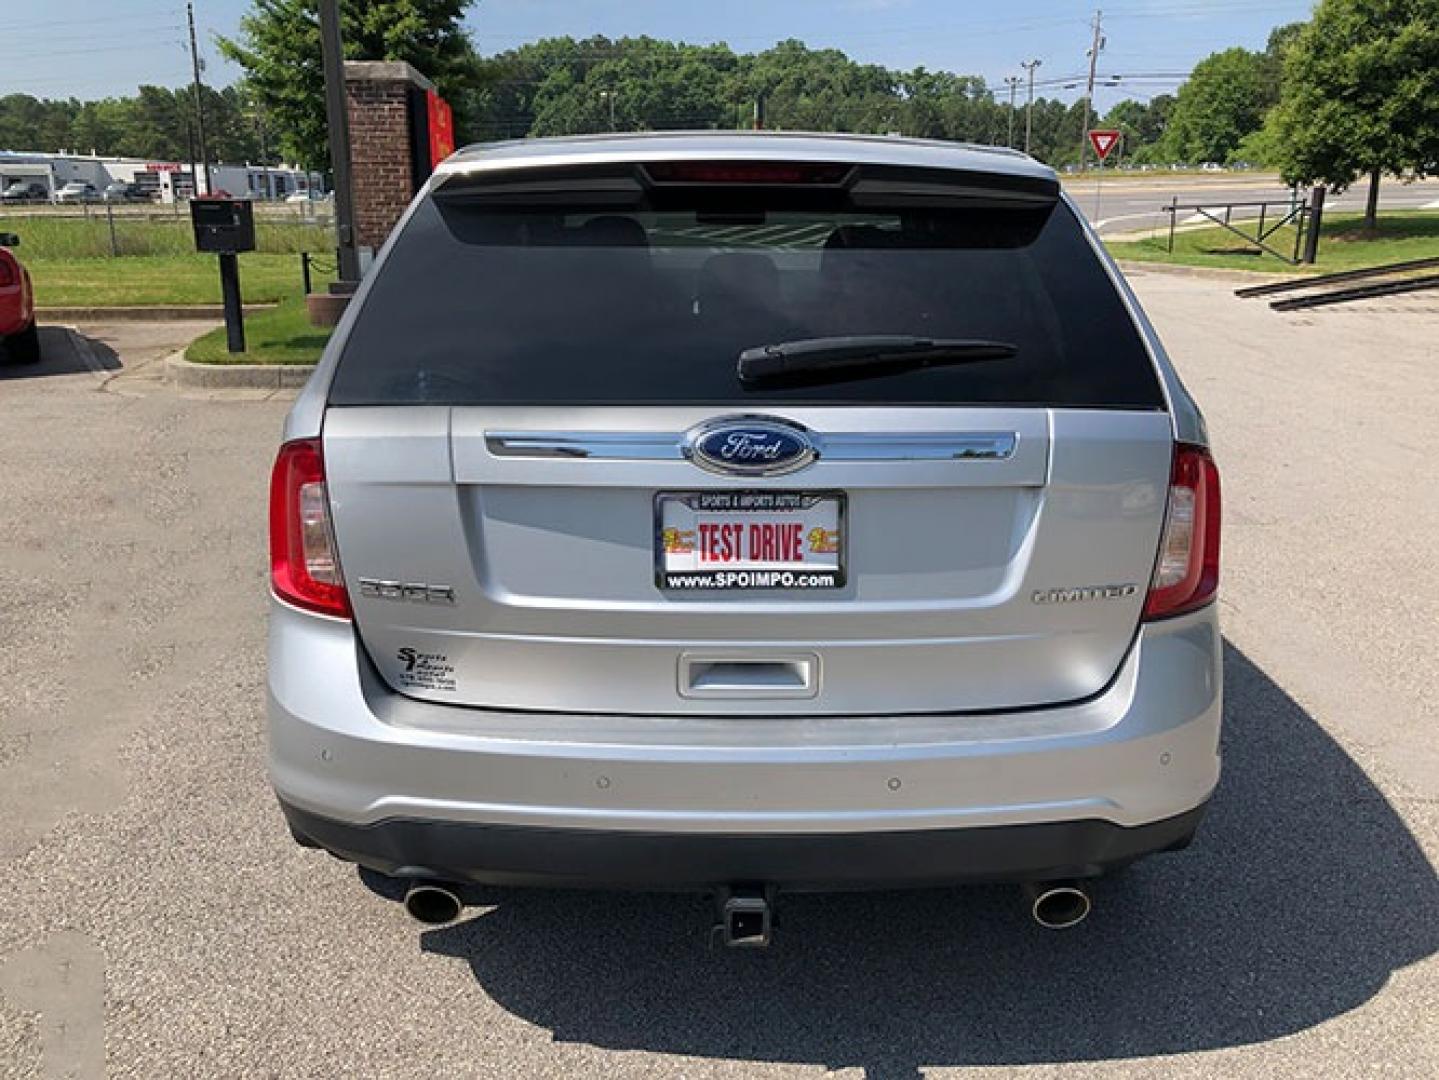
x=91, y=48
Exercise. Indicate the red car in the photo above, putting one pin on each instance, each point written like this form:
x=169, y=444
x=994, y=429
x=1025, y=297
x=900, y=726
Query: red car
x=19, y=336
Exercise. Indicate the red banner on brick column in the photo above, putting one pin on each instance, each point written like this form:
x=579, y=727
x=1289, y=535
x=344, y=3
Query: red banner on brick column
x=442, y=129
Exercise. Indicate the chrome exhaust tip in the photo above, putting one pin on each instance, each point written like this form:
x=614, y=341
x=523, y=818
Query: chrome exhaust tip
x=1057, y=905
x=432, y=903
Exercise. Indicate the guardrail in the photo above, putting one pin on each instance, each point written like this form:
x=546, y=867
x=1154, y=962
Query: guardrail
x=1307, y=218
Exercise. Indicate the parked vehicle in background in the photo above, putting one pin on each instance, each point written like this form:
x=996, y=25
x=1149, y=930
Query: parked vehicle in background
x=745, y=513
x=307, y=196
x=77, y=191
x=120, y=191
x=23, y=191
x=19, y=336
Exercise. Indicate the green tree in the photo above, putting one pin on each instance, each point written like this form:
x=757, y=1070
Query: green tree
x=1225, y=99
x=157, y=124
x=1280, y=39
x=1057, y=130
x=28, y=123
x=818, y=89
x=279, y=49
x=1143, y=124
x=562, y=85
x=1361, y=95
x=160, y=124
x=944, y=105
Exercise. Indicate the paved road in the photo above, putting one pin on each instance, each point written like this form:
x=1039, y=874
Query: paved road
x=155, y=919
x=1126, y=204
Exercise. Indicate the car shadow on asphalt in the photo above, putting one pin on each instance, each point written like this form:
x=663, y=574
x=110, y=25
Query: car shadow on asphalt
x=63, y=352
x=1302, y=894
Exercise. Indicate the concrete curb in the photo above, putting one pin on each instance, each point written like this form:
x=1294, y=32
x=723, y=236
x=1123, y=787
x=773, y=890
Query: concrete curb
x=1215, y=273
x=236, y=376
x=176, y=313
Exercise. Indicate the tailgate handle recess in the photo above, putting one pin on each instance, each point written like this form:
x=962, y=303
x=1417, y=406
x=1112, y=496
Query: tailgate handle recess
x=740, y=677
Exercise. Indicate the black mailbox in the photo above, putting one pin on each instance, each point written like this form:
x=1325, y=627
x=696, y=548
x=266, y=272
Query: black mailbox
x=223, y=225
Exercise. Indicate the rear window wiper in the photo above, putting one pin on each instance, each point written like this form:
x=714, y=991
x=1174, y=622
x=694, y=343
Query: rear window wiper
x=860, y=356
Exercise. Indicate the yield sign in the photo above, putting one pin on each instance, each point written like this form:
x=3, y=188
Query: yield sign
x=1104, y=142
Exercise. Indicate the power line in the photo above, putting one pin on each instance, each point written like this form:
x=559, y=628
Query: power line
x=102, y=49
x=971, y=29
x=88, y=21
x=36, y=51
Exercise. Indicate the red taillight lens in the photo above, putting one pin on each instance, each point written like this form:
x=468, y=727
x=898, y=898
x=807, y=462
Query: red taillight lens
x=1187, y=576
x=304, y=566
x=745, y=172
x=8, y=276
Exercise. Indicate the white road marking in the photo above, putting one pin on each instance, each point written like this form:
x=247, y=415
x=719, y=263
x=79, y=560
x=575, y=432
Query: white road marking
x=1126, y=217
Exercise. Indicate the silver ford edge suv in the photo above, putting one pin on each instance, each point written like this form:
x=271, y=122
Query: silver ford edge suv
x=744, y=513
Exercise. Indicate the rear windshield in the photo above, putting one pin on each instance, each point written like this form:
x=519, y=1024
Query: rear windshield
x=501, y=304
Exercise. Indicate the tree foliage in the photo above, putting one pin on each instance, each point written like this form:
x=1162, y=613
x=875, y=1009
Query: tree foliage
x=567, y=85
x=1144, y=125
x=1225, y=99
x=279, y=49
x=1361, y=93
x=157, y=124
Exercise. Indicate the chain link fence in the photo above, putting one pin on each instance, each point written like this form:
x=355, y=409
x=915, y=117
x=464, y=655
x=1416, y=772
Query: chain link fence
x=108, y=230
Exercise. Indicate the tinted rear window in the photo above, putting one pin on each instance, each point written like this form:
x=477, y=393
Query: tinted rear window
x=652, y=303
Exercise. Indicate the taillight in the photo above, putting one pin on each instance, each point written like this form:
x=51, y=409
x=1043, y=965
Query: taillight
x=1187, y=576
x=304, y=566
x=8, y=276
x=746, y=172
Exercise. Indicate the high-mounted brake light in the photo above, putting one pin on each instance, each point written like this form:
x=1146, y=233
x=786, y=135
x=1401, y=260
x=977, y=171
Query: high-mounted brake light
x=304, y=566
x=745, y=172
x=1187, y=576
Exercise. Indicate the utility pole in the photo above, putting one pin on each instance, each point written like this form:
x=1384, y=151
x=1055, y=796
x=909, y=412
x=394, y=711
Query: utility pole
x=190, y=146
x=338, y=121
x=1013, y=81
x=264, y=151
x=1029, y=109
x=1094, y=51
x=199, y=103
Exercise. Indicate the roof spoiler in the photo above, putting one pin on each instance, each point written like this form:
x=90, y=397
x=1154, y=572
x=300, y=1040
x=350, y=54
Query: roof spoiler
x=636, y=183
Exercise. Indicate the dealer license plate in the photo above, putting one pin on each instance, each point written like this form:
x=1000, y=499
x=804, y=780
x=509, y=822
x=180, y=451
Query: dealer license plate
x=709, y=541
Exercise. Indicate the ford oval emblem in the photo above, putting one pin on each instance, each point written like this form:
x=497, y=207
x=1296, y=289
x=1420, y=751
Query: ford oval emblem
x=750, y=446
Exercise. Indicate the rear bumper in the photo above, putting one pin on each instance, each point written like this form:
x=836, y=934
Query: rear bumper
x=16, y=312
x=13, y=319
x=473, y=794
x=510, y=855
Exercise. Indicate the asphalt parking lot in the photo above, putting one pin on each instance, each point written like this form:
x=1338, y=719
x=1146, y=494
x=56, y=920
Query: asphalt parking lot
x=156, y=920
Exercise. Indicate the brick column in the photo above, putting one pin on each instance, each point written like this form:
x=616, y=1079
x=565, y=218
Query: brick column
x=377, y=93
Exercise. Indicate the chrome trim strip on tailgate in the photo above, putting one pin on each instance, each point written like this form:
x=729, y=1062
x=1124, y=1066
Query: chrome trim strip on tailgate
x=604, y=445
x=922, y=446
x=853, y=446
